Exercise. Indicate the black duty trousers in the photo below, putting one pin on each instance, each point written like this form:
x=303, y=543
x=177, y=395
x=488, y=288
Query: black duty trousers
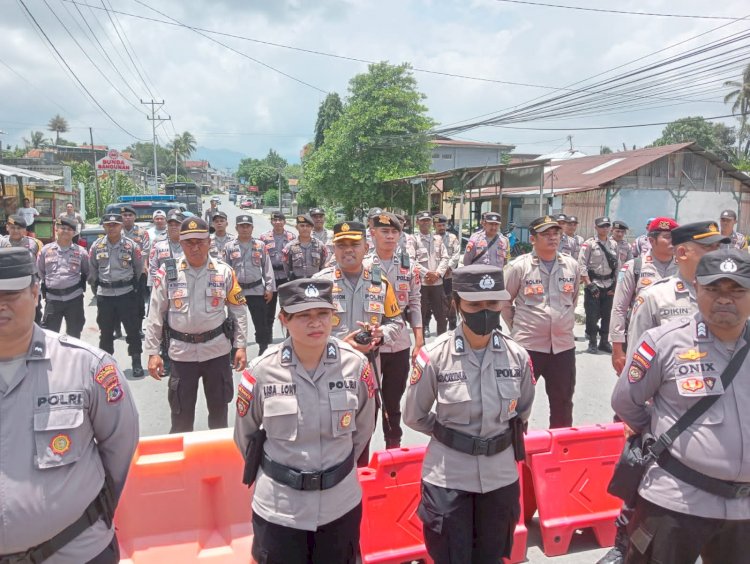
x=71, y=310
x=660, y=536
x=271, y=306
x=450, y=305
x=258, y=312
x=218, y=388
x=559, y=373
x=433, y=303
x=336, y=542
x=111, y=310
x=467, y=527
x=598, y=308
x=394, y=368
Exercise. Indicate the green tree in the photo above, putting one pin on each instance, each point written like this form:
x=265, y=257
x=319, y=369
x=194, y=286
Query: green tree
x=273, y=159
x=144, y=153
x=329, y=111
x=271, y=198
x=381, y=135
x=58, y=125
x=35, y=140
x=604, y=150
x=739, y=97
x=714, y=137
x=258, y=173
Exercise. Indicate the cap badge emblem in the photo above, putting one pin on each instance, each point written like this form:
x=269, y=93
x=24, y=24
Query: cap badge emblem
x=345, y=227
x=192, y=225
x=312, y=291
x=663, y=225
x=385, y=219
x=486, y=283
x=300, y=218
x=712, y=228
x=547, y=219
x=112, y=218
x=728, y=266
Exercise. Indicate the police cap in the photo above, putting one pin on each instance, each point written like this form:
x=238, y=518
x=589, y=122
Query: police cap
x=317, y=211
x=373, y=212
x=17, y=220
x=175, y=215
x=64, y=221
x=492, y=217
x=127, y=209
x=603, y=221
x=724, y=263
x=194, y=228
x=304, y=218
x=111, y=218
x=728, y=214
x=440, y=218
x=421, y=216
x=387, y=219
x=543, y=223
x=244, y=220
x=17, y=268
x=278, y=215
x=561, y=218
x=701, y=232
x=352, y=230
x=158, y=213
x=478, y=282
x=221, y=215
x=619, y=224
x=306, y=293
x=661, y=224
x=572, y=219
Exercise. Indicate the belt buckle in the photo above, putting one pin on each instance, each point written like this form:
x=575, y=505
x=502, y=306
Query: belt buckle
x=480, y=446
x=198, y=339
x=311, y=480
x=741, y=491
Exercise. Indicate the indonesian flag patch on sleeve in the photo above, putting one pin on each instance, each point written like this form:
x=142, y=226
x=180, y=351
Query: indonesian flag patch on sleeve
x=245, y=393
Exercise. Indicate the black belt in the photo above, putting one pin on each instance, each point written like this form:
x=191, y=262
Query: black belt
x=195, y=338
x=307, y=481
x=63, y=291
x=249, y=285
x=102, y=506
x=722, y=488
x=116, y=284
x=278, y=266
x=594, y=276
x=471, y=445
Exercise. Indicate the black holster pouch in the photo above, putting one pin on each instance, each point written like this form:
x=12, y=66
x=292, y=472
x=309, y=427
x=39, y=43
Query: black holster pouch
x=228, y=328
x=253, y=457
x=519, y=447
x=636, y=456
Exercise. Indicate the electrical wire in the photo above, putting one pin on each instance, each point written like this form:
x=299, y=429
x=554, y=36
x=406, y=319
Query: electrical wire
x=620, y=12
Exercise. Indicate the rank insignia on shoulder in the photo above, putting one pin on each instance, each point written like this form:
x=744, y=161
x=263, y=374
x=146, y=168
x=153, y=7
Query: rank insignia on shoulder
x=496, y=341
x=331, y=352
x=286, y=354
x=37, y=349
x=701, y=330
x=459, y=344
x=60, y=444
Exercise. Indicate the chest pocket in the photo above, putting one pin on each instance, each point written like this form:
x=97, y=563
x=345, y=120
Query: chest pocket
x=343, y=412
x=215, y=298
x=689, y=390
x=61, y=436
x=256, y=257
x=178, y=302
x=567, y=287
x=510, y=392
x=280, y=417
x=453, y=403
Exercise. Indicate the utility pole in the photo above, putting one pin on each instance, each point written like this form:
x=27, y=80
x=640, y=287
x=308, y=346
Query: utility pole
x=96, y=176
x=155, y=106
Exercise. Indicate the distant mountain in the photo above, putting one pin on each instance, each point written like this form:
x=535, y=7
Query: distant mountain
x=219, y=158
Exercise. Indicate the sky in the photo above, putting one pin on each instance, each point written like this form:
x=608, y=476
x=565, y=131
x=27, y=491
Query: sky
x=230, y=97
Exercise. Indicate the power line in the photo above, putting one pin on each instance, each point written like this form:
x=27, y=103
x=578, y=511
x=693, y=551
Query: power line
x=622, y=12
x=632, y=125
x=42, y=92
x=75, y=76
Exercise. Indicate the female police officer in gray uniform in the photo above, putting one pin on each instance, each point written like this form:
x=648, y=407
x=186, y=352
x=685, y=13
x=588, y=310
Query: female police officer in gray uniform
x=483, y=384
x=313, y=395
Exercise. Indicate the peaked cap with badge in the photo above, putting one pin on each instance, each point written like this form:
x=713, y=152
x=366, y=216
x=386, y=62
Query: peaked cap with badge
x=17, y=220
x=353, y=230
x=175, y=215
x=244, y=219
x=64, y=221
x=478, y=282
x=112, y=218
x=193, y=228
x=603, y=222
x=619, y=224
x=492, y=217
x=304, y=218
x=306, y=293
x=424, y=215
x=701, y=232
x=541, y=224
x=17, y=268
x=732, y=264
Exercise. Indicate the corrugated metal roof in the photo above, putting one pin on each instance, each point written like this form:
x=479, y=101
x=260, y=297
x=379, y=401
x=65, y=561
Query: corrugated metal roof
x=7, y=170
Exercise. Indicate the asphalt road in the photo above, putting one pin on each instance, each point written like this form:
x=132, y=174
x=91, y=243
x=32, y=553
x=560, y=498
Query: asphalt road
x=594, y=383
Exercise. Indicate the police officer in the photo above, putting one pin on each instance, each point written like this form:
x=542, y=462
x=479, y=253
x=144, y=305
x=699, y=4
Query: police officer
x=570, y=242
x=320, y=232
x=635, y=275
x=252, y=265
x=193, y=302
x=488, y=246
x=304, y=255
x=728, y=221
x=641, y=243
x=453, y=249
x=598, y=266
x=63, y=269
x=220, y=238
x=208, y=215
x=480, y=383
x=432, y=262
x=166, y=248
x=364, y=298
x=543, y=289
x=68, y=430
x=394, y=263
x=624, y=250
x=313, y=395
x=115, y=264
x=275, y=241
x=158, y=230
x=17, y=236
x=139, y=236
x=371, y=215
x=694, y=500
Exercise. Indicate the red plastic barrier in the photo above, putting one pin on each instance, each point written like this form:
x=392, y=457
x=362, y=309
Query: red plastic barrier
x=184, y=501
x=570, y=484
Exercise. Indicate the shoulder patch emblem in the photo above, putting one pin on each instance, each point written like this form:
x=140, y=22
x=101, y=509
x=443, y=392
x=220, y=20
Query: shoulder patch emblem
x=60, y=444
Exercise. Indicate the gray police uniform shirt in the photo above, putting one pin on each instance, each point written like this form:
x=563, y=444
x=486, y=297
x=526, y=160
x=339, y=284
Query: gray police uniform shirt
x=275, y=245
x=641, y=245
x=672, y=367
x=570, y=245
x=432, y=256
x=114, y=262
x=28, y=242
x=302, y=260
x=366, y=301
x=66, y=418
x=496, y=255
x=453, y=249
x=161, y=251
x=593, y=258
x=61, y=268
x=196, y=302
x=668, y=299
x=138, y=235
x=628, y=289
x=154, y=236
x=325, y=236
x=541, y=312
x=739, y=241
x=473, y=399
x=251, y=263
x=624, y=252
x=406, y=284
x=313, y=421
x=219, y=245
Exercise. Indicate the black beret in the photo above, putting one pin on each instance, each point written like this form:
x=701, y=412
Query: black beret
x=67, y=222
x=387, y=219
x=619, y=224
x=304, y=218
x=17, y=220
x=127, y=209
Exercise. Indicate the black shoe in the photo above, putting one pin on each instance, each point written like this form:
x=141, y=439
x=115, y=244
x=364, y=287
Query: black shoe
x=395, y=443
x=604, y=346
x=614, y=556
x=137, y=368
x=118, y=333
x=592, y=348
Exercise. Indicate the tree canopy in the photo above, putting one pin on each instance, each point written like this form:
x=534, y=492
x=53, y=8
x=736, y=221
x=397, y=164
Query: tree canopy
x=714, y=137
x=329, y=111
x=58, y=125
x=381, y=135
x=264, y=173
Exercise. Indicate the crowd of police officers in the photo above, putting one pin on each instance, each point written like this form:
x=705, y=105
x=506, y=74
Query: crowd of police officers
x=355, y=304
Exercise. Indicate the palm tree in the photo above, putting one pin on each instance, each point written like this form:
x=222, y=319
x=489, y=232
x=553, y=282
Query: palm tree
x=182, y=147
x=740, y=98
x=59, y=125
x=35, y=140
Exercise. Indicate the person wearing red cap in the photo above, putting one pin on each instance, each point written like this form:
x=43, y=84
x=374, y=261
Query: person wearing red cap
x=637, y=274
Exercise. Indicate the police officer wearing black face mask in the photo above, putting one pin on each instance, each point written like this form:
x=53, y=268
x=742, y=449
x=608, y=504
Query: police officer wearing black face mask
x=481, y=385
